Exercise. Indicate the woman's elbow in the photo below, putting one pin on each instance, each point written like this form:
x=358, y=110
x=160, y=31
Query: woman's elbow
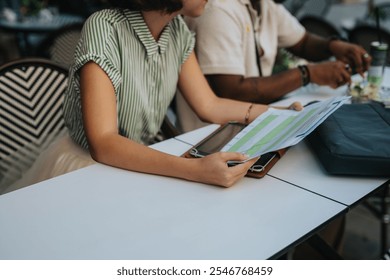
x=99, y=150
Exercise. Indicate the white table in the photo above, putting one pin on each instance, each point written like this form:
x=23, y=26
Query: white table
x=300, y=166
x=36, y=26
x=347, y=15
x=100, y=212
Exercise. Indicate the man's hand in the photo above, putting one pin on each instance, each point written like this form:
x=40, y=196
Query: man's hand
x=352, y=54
x=332, y=73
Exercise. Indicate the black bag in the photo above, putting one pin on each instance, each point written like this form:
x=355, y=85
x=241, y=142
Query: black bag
x=354, y=140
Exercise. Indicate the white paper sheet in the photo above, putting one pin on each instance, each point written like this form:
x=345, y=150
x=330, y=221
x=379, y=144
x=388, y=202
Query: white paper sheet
x=277, y=129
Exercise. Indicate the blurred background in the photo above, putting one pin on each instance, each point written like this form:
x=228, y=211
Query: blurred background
x=32, y=27
x=28, y=27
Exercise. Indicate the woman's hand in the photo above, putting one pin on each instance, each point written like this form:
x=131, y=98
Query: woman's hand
x=213, y=169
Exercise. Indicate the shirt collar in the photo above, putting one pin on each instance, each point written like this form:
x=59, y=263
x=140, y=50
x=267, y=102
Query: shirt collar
x=141, y=29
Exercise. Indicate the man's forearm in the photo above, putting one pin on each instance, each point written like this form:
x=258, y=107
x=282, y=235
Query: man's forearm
x=257, y=89
x=312, y=48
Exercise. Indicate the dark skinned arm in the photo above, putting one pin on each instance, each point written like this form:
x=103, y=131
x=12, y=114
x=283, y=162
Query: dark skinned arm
x=312, y=48
x=258, y=89
x=269, y=89
x=315, y=48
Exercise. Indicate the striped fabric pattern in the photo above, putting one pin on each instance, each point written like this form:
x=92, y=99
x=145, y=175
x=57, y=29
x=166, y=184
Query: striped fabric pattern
x=144, y=72
x=31, y=96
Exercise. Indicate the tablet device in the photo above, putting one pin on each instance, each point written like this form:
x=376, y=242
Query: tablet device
x=220, y=138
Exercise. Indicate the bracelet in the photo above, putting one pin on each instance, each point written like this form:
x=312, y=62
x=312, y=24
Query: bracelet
x=246, y=119
x=305, y=74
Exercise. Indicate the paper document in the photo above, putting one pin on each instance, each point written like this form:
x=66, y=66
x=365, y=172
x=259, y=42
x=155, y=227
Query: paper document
x=277, y=129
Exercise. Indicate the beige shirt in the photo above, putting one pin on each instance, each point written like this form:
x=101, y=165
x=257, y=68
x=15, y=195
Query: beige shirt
x=225, y=42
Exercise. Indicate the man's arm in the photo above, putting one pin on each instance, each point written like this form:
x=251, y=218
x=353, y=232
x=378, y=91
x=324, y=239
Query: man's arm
x=257, y=89
x=315, y=48
x=268, y=89
x=312, y=47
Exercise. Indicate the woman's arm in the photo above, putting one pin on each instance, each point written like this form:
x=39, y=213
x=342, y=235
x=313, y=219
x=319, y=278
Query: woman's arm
x=108, y=147
x=210, y=108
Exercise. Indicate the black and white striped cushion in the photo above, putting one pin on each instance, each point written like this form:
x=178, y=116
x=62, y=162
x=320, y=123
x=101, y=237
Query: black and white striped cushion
x=31, y=95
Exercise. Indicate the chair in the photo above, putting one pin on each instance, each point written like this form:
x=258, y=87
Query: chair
x=31, y=95
x=169, y=128
x=59, y=46
x=364, y=34
x=319, y=26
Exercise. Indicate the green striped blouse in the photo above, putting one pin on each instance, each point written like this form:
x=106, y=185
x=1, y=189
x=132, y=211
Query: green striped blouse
x=144, y=72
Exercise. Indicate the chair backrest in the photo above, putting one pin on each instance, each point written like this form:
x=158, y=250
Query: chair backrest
x=60, y=45
x=31, y=96
x=319, y=26
x=168, y=127
x=364, y=34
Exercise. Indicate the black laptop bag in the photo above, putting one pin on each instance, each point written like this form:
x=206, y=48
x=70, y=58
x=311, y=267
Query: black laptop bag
x=354, y=140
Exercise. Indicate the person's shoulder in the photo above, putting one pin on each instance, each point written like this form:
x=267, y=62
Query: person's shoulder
x=225, y=5
x=106, y=17
x=271, y=7
x=178, y=21
x=179, y=24
x=218, y=10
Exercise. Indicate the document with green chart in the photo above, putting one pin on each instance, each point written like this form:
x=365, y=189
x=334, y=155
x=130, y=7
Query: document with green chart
x=277, y=129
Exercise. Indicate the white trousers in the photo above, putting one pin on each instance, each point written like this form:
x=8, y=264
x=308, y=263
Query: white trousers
x=60, y=157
